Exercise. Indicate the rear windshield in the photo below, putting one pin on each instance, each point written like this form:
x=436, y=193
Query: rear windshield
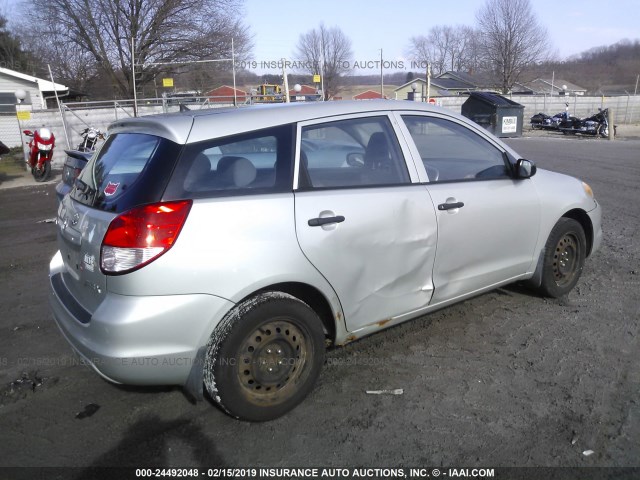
x=131, y=169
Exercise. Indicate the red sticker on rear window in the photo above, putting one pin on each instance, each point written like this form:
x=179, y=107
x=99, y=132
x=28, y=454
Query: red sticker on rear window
x=111, y=189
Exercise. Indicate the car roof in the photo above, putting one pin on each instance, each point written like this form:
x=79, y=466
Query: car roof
x=197, y=125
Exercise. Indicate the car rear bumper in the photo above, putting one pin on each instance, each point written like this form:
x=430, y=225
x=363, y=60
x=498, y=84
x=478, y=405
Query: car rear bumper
x=138, y=340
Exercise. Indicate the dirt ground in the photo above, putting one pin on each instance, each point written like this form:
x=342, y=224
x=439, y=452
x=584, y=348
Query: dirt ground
x=505, y=379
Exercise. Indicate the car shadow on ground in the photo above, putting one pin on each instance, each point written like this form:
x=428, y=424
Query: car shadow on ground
x=519, y=288
x=157, y=443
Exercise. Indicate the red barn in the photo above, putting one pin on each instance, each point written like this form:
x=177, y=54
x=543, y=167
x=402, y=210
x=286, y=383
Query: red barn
x=224, y=94
x=368, y=95
x=306, y=94
x=304, y=90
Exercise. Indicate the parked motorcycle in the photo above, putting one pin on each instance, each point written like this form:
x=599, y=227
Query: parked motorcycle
x=546, y=122
x=40, y=153
x=90, y=137
x=597, y=124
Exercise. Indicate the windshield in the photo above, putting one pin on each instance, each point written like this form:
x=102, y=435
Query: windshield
x=130, y=169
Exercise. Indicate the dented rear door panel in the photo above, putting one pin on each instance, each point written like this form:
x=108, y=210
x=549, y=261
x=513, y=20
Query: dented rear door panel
x=379, y=260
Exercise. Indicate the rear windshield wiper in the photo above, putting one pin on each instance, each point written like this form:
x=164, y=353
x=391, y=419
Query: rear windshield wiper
x=84, y=188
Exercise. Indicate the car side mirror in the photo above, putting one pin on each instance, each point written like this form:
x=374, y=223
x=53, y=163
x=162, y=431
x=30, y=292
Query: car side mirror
x=525, y=168
x=355, y=160
x=28, y=133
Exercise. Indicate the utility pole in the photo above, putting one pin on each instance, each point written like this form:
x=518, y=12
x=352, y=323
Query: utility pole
x=428, y=82
x=133, y=78
x=285, y=81
x=233, y=71
x=381, y=77
x=322, y=78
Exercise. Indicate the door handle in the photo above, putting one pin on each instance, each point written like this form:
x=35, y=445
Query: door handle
x=318, y=222
x=450, y=206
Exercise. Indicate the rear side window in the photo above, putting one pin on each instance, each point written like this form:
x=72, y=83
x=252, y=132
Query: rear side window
x=255, y=162
x=131, y=169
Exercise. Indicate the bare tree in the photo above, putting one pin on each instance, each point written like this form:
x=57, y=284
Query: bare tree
x=162, y=31
x=12, y=53
x=446, y=48
x=71, y=64
x=423, y=50
x=511, y=39
x=326, y=51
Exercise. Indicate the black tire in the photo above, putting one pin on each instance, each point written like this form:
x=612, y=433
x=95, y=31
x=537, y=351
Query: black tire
x=564, y=256
x=43, y=174
x=264, y=357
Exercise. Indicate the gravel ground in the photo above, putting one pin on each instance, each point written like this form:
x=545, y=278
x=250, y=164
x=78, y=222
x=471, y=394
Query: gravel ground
x=505, y=379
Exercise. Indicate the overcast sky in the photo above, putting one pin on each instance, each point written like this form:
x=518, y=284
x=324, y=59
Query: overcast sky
x=573, y=25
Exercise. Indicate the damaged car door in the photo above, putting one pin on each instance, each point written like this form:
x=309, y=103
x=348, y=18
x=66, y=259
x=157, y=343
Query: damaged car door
x=488, y=218
x=361, y=221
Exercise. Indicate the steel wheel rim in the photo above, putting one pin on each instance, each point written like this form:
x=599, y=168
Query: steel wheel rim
x=565, y=259
x=272, y=360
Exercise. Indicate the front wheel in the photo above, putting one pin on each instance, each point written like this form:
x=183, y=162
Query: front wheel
x=604, y=131
x=264, y=357
x=42, y=174
x=564, y=256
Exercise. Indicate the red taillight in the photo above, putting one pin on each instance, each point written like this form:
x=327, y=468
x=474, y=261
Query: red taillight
x=139, y=236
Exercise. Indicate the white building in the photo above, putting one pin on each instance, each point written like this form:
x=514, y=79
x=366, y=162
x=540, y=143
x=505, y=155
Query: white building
x=39, y=95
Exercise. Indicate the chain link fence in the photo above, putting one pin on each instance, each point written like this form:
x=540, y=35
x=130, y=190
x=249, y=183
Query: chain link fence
x=68, y=122
x=626, y=108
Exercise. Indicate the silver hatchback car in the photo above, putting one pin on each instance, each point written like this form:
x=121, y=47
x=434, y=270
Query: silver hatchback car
x=225, y=249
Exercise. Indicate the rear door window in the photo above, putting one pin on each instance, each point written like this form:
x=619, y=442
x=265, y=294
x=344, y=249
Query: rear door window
x=130, y=169
x=358, y=152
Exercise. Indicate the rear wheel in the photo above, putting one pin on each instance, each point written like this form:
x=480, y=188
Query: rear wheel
x=264, y=357
x=564, y=256
x=42, y=174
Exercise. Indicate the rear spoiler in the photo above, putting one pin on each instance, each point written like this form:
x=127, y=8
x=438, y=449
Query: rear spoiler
x=79, y=155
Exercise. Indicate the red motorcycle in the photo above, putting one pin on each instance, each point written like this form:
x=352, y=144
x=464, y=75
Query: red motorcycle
x=40, y=153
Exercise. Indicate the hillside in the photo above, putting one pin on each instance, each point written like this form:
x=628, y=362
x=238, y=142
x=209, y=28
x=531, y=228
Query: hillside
x=601, y=70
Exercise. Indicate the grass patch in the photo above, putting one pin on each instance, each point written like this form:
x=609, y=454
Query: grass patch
x=12, y=164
